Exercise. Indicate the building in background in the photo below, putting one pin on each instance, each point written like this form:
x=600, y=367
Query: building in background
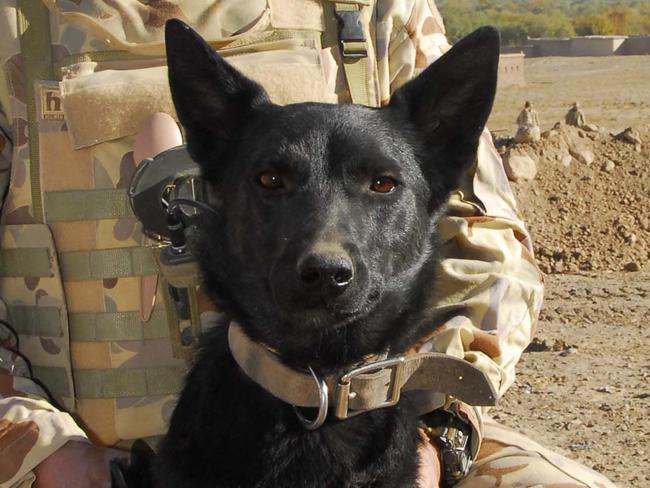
x=511, y=69
x=584, y=46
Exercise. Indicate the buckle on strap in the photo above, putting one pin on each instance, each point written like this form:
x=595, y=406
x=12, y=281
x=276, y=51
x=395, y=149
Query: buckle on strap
x=351, y=36
x=344, y=395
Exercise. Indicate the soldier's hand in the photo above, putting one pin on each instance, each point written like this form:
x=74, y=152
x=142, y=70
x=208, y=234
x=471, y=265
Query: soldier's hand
x=429, y=471
x=77, y=465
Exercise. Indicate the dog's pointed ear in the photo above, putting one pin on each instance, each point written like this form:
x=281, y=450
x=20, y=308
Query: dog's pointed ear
x=212, y=99
x=449, y=103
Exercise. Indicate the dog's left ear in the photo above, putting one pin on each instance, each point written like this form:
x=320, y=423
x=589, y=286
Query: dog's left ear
x=212, y=99
x=449, y=103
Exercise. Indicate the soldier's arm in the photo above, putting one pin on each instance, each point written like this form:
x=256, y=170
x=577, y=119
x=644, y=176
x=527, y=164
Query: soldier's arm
x=31, y=428
x=488, y=281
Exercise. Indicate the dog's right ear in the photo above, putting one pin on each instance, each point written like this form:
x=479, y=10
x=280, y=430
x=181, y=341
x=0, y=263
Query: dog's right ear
x=212, y=98
x=449, y=103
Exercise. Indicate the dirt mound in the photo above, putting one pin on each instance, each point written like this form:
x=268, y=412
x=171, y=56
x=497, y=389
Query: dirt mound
x=588, y=206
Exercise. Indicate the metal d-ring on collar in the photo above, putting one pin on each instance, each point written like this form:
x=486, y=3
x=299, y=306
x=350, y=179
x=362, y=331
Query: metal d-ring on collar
x=322, y=407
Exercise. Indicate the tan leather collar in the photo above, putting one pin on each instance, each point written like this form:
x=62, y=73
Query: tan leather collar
x=366, y=387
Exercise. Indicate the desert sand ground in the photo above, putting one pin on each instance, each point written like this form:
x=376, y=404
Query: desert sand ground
x=586, y=392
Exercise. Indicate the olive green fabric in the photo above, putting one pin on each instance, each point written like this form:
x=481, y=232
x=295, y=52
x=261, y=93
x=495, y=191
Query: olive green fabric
x=117, y=326
x=131, y=382
x=73, y=205
x=34, y=33
x=25, y=262
x=38, y=321
x=107, y=263
x=355, y=62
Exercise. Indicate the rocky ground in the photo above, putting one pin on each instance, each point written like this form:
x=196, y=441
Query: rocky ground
x=588, y=217
x=584, y=385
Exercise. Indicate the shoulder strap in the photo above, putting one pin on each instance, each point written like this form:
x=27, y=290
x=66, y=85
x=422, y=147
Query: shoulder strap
x=354, y=50
x=35, y=44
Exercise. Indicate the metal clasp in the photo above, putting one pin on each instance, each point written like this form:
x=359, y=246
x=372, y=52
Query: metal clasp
x=344, y=395
x=351, y=35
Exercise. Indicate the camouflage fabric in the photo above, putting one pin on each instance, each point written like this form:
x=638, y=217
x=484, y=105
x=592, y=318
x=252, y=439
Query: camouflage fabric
x=86, y=275
x=528, y=117
x=528, y=129
x=509, y=459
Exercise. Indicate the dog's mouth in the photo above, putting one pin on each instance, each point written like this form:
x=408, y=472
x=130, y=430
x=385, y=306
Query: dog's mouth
x=323, y=314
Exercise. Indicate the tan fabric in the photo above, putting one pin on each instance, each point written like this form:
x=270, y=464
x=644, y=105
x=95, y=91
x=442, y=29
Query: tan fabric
x=509, y=459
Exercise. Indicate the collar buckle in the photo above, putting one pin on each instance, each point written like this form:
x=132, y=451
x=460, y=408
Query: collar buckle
x=344, y=394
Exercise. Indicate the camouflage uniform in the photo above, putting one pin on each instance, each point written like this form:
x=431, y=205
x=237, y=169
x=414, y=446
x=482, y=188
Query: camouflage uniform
x=76, y=274
x=528, y=125
x=575, y=116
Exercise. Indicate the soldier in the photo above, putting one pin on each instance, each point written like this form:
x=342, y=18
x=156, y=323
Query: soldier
x=82, y=288
x=575, y=117
x=528, y=124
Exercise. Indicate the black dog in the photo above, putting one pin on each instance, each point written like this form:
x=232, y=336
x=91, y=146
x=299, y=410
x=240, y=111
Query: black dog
x=323, y=247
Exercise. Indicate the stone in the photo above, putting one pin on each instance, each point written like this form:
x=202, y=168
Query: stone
x=630, y=136
x=591, y=128
x=566, y=160
x=527, y=134
x=632, y=266
x=608, y=166
x=584, y=155
x=569, y=351
x=519, y=166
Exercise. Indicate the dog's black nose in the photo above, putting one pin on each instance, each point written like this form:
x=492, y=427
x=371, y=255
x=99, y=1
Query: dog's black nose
x=325, y=273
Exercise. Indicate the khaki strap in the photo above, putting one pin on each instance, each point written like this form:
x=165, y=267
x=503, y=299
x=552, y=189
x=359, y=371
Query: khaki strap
x=354, y=51
x=32, y=320
x=127, y=382
x=107, y=263
x=26, y=262
x=34, y=32
x=117, y=326
x=61, y=206
x=54, y=378
x=432, y=372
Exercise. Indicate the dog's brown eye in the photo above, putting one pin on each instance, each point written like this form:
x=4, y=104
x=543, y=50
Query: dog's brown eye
x=271, y=180
x=383, y=184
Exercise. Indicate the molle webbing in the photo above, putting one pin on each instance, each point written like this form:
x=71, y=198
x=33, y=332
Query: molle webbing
x=113, y=383
x=34, y=33
x=38, y=321
x=63, y=206
x=26, y=262
x=34, y=320
x=107, y=263
x=127, y=382
x=117, y=326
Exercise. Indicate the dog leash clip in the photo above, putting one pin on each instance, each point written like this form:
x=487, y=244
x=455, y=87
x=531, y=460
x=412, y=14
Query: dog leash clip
x=322, y=407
